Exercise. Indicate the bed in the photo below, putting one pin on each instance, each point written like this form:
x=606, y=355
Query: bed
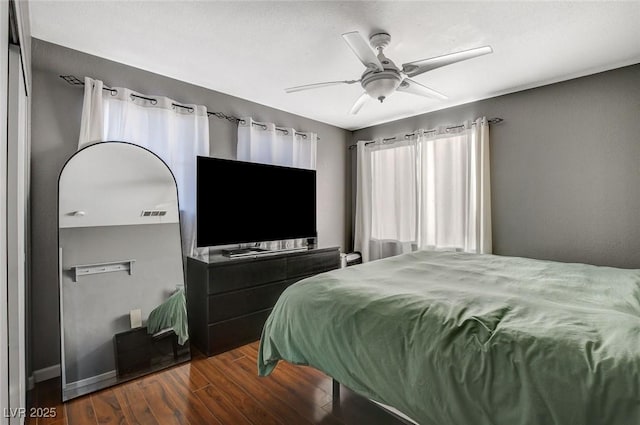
x=455, y=338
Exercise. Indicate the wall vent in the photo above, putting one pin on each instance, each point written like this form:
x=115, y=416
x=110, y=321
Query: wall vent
x=153, y=213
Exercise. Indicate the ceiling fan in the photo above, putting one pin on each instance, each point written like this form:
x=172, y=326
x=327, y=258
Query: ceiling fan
x=382, y=77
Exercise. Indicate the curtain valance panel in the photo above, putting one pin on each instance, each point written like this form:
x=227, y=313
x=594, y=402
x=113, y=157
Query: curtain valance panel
x=177, y=134
x=267, y=144
x=429, y=190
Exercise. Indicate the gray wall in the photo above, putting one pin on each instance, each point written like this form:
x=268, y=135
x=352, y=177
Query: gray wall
x=565, y=167
x=56, y=113
x=96, y=307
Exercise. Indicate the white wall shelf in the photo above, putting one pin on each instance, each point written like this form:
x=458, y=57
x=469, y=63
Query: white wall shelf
x=114, y=266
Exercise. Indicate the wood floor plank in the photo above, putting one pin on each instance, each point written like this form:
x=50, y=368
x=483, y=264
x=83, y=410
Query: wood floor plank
x=236, y=353
x=293, y=374
x=311, y=375
x=273, y=404
x=79, y=411
x=292, y=381
x=161, y=405
x=48, y=394
x=307, y=374
x=219, y=390
x=254, y=345
x=195, y=410
x=107, y=408
x=190, y=376
x=221, y=407
x=171, y=406
x=289, y=397
x=247, y=405
x=353, y=409
x=134, y=405
x=58, y=422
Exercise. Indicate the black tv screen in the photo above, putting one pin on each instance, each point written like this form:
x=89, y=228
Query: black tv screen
x=243, y=202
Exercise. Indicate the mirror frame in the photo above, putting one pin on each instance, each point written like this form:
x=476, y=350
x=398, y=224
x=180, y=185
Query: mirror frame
x=60, y=274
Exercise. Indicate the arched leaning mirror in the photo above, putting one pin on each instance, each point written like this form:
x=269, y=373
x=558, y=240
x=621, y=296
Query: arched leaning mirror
x=122, y=303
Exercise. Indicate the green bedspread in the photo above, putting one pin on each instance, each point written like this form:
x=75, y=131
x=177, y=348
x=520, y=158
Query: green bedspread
x=462, y=339
x=171, y=314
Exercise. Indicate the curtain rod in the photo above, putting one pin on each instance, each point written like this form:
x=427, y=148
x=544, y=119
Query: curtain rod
x=75, y=81
x=406, y=136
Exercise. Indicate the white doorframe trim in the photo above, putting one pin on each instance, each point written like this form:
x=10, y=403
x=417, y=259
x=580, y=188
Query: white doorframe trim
x=4, y=79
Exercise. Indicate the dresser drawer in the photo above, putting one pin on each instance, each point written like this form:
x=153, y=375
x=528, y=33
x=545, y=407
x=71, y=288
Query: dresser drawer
x=312, y=263
x=230, y=277
x=238, y=303
x=233, y=333
x=229, y=300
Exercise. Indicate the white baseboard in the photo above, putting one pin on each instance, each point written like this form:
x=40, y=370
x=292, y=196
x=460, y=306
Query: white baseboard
x=46, y=373
x=90, y=381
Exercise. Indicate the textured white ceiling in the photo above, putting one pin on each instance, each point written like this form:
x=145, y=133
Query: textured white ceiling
x=254, y=50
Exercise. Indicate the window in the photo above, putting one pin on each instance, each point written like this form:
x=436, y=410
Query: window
x=428, y=191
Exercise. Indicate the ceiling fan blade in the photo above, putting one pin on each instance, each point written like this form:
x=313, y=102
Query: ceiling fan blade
x=410, y=86
x=319, y=85
x=364, y=97
x=418, y=67
x=362, y=50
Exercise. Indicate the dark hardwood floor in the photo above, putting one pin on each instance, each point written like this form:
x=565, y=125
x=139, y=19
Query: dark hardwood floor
x=224, y=389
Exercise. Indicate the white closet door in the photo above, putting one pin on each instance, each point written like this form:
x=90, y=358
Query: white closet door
x=17, y=174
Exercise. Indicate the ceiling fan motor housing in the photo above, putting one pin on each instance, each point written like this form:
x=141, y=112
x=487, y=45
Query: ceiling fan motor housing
x=381, y=84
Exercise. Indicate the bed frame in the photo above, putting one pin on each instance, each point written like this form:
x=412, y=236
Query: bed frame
x=335, y=402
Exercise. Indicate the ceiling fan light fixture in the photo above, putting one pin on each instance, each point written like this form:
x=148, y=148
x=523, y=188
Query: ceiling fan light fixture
x=381, y=84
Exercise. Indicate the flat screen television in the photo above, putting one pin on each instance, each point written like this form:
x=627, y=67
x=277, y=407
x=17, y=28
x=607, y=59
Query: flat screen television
x=243, y=202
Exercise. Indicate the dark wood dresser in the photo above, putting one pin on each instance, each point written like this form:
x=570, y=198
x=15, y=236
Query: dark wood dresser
x=228, y=300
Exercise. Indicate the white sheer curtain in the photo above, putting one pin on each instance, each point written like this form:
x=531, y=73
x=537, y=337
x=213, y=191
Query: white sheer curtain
x=263, y=143
x=266, y=144
x=175, y=134
x=430, y=191
x=92, y=123
x=386, y=199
